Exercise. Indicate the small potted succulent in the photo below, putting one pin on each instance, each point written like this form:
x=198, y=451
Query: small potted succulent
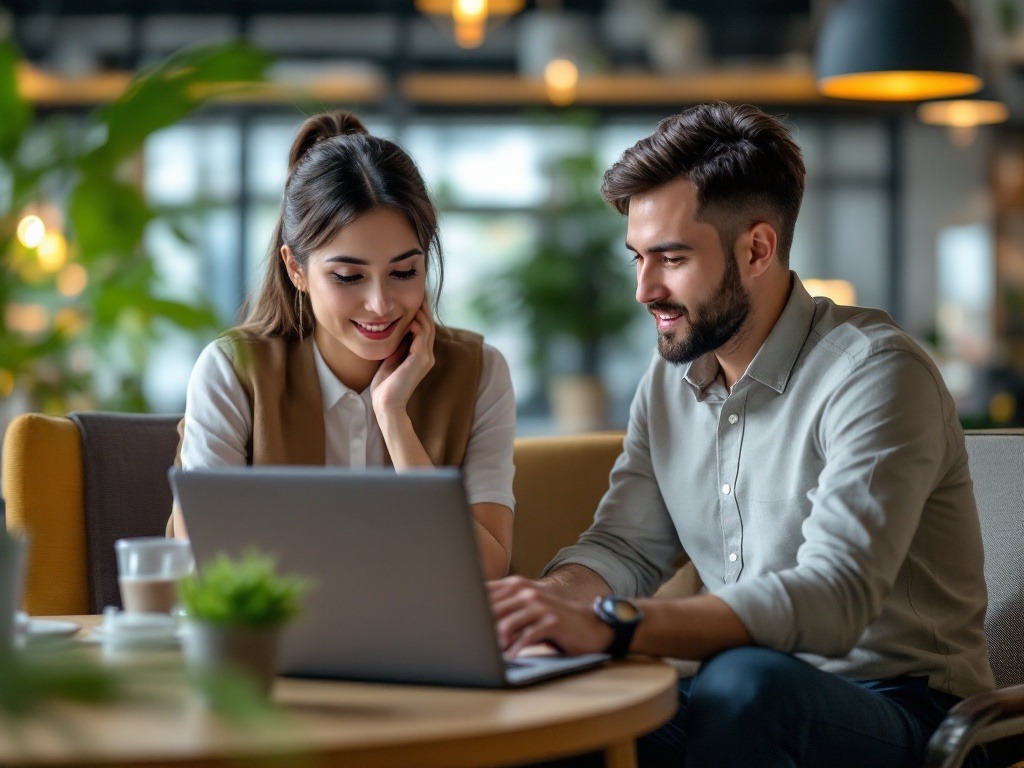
x=235, y=610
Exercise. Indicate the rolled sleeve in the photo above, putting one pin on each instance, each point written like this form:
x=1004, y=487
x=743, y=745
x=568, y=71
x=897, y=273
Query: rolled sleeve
x=632, y=544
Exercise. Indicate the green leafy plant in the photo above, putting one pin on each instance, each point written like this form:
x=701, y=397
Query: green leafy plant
x=89, y=297
x=243, y=592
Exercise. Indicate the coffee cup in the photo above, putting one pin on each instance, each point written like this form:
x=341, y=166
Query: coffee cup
x=148, y=571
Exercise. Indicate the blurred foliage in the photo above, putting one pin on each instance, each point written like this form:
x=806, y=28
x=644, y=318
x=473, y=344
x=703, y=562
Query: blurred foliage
x=32, y=678
x=576, y=286
x=244, y=592
x=36, y=678
x=94, y=302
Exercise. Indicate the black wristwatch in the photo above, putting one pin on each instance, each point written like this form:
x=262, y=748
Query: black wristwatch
x=622, y=616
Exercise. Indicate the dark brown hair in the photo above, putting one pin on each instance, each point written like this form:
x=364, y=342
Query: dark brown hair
x=743, y=162
x=337, y=172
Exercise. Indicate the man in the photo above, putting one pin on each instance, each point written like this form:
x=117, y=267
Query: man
x=806, y=457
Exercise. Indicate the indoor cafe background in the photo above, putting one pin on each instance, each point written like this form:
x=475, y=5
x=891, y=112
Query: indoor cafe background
x=923, y=221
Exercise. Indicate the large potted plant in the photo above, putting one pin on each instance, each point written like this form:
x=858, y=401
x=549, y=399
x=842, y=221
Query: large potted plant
x=78, y=288
x=236, y=609
x=573, y=292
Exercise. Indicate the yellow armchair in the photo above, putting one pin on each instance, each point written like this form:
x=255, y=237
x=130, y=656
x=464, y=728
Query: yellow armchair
x=44, y=494
x=558, y=483
x=75, y=484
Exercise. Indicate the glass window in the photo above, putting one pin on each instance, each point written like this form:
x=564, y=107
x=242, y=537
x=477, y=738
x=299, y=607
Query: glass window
x=858, y=227
x=477, y=247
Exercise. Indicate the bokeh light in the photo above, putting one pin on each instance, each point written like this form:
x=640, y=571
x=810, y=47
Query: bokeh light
x=72, y=280
x=31, y=231
x=52, y=252
x=560, y=78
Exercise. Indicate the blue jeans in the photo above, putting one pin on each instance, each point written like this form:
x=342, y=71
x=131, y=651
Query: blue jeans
x=757, y=708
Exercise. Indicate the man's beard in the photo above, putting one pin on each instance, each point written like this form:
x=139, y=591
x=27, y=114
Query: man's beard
x=713, y=322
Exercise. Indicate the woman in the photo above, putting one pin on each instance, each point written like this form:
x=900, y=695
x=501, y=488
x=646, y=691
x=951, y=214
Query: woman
x=339, y=360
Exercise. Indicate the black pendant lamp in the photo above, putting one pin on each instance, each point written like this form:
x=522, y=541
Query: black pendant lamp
x=981, y=108
x=896, y=50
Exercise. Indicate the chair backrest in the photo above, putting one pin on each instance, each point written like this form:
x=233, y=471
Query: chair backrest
x=997, y=469
x=76, y=485
x=558, y=483
x=125, y=458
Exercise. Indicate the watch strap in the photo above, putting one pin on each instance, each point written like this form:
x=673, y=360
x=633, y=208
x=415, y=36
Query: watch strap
x=622, y=631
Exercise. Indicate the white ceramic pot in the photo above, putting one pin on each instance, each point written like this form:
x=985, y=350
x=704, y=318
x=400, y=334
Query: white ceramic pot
x=251, y=651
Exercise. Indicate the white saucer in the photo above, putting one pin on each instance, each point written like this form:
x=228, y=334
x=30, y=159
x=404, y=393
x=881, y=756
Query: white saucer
x=44, y=629
x=124, y=631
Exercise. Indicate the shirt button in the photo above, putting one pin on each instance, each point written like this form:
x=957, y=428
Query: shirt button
x=733, y=418
x=726, y=489
x=732, y=557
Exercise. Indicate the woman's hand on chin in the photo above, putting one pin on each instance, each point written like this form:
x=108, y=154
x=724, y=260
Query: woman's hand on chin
x=401, y=372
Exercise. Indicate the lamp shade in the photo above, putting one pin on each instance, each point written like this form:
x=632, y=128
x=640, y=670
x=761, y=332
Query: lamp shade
x=981, y=108
x=896, y=50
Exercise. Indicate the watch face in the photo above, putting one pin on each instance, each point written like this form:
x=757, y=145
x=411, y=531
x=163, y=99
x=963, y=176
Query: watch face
x=622, y=610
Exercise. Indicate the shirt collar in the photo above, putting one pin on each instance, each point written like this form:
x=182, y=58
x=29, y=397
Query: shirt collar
x=331, y=389
x=774, y=361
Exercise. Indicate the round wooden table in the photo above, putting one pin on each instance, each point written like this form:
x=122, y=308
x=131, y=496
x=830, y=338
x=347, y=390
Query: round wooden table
x=323, y=722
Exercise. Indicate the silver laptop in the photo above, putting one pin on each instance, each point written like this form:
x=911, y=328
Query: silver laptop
x=399, y=593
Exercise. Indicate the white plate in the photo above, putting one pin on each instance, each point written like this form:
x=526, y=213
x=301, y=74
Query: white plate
x=43, y=628
x=135, y=630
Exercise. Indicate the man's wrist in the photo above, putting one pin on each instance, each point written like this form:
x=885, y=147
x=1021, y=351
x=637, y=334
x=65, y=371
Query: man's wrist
x=622, y=616
x=577, y=582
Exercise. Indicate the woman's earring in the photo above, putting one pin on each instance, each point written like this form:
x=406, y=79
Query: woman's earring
x=299, y=301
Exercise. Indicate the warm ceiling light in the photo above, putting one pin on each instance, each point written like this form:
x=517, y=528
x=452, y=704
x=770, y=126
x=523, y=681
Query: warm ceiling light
x=964, y=116
x=896, y=50
x=840, y=291
x=450, y=7
x=469, y=11
x=469, y=34
x=560, y=79
x=469, y=17
x=963, y=113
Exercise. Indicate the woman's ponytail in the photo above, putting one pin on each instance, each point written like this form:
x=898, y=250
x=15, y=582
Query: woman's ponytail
x=320, y=127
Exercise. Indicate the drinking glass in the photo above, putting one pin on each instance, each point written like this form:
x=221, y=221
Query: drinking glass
x=148, y=571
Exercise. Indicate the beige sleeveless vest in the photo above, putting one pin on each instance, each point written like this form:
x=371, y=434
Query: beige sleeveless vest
x=280, y=379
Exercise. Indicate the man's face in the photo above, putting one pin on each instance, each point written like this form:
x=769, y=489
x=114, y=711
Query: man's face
x=688, y=283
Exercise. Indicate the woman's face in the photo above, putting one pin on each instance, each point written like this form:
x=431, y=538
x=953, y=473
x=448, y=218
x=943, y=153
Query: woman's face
x=365, y=286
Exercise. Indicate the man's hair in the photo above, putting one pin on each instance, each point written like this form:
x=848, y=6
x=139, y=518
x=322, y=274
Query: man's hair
x=743, y=162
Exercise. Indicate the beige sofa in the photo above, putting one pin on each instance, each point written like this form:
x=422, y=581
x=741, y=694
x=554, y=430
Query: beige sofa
x=558, y=484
